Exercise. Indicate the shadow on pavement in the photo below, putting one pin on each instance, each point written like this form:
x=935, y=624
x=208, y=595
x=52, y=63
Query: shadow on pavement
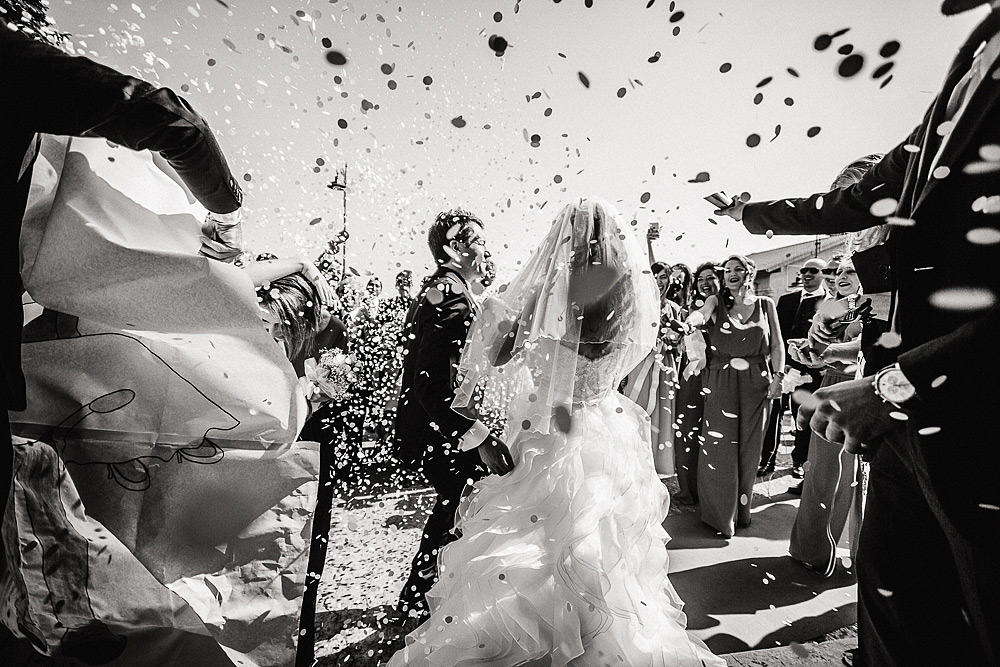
x=753, y=584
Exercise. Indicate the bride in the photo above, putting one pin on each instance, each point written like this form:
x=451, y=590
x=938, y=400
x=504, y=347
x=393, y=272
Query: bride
x=563, y=560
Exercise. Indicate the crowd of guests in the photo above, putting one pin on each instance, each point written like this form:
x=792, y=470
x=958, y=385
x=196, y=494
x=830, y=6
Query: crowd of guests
x=891, y=383
x=715, y=387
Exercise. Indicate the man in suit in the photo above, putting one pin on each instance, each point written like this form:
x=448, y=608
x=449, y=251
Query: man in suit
x=44, y=90
x=795, y=311
x=928, y=588
x=449, y=449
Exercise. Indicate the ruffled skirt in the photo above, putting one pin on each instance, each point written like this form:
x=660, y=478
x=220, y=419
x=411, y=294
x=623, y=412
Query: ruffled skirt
x=563, y=560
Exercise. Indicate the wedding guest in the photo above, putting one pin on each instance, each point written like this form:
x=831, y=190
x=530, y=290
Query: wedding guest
x=653, y=383
x=744, y=374
x=47, y=90
x=326, y=426
x=928, y=592
x=690, y=397
x=795, y=311
x=832, y=486
x=681, y=282
x=830, y=274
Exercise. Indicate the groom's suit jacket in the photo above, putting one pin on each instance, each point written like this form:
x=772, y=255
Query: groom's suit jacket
x=45, y=90
x=945, y=274
x=434, y=333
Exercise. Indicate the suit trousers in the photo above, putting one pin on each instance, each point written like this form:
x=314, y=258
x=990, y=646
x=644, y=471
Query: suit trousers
x=927, y=594
x=772, y=434
x=449, y=475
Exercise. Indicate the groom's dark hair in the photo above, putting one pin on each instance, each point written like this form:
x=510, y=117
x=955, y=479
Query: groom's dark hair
x=447, y=227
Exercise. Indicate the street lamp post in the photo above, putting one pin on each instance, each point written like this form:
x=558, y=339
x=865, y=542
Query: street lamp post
x=340, y=183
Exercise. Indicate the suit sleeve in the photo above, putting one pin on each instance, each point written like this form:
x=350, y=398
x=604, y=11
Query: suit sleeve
x=842, y=210
x=443, y=328
x=55, y=93
x=942, y=370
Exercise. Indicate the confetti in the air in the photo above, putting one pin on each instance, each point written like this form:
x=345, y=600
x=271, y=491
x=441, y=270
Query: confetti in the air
x=851, y=65
x=335, y=57
x=498, y=44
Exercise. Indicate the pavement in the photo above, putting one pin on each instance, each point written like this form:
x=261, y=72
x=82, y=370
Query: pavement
x=744, y=596
x=824, y=654
x=745, y=592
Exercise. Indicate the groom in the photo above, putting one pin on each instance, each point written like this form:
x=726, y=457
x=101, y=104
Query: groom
x=450, y=450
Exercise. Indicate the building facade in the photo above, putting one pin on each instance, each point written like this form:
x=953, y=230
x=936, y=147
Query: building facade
x=778, y=269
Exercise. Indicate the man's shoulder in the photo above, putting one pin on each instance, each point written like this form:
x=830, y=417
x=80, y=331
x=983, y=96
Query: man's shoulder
x=789, y=297
x=445, y=290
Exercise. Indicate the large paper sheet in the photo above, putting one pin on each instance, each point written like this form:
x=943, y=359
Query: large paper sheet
x=161, y=509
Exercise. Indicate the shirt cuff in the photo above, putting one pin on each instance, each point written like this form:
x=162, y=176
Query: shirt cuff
x=475, y=436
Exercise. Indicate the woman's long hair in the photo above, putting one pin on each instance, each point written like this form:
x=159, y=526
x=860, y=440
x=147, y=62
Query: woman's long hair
x=294, y=302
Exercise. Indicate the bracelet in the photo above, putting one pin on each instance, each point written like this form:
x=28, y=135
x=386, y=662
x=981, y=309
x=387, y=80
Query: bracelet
x=779, y=375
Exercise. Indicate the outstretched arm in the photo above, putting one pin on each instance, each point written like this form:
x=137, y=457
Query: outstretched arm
x=270, y=270
x=837, y=211
x=702, y=315
x=46, y=90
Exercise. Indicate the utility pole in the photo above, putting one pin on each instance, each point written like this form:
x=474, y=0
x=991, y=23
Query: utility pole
x=340, y=183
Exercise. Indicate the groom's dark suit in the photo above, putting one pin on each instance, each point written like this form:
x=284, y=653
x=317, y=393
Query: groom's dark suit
x=930, y=547
x=427, y=431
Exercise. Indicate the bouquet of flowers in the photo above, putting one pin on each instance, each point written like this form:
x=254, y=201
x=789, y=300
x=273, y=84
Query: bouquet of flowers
x=332, y=377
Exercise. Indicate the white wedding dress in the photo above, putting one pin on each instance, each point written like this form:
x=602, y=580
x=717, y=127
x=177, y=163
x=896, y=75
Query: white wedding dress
x=563, y=561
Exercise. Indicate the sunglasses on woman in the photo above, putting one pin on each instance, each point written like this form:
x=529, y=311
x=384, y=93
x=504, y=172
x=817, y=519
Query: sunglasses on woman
x=829, y=272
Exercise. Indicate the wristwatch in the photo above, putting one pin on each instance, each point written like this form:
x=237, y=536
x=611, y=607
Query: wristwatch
x=892, y=386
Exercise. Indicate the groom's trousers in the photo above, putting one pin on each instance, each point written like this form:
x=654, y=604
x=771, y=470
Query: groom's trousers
x=449, y=476
x=928, y=594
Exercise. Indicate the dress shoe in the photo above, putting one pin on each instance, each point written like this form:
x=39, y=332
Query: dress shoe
x=797, y=471
x=765, y=470
x=796, y=490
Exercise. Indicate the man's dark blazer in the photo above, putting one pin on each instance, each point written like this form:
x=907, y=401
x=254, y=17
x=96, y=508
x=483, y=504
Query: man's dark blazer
x=947, y=287
x=435, y=330
x=45, y=90
x=794, y=322
x=945, y=272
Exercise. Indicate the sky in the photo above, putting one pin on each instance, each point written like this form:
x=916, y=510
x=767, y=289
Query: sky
x=426, y=115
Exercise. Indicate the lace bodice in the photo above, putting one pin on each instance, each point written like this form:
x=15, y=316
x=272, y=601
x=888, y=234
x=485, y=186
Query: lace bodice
x=595, y=378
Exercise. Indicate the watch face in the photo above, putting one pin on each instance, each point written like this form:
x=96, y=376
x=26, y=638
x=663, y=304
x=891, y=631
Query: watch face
x=894, y=387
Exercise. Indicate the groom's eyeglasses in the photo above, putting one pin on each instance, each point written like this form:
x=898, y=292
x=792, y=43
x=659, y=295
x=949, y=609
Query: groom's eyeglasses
x=808, y=269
